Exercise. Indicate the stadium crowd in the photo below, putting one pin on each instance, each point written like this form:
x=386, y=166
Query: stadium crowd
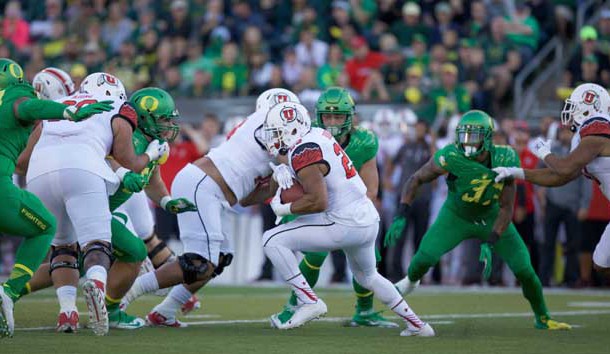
x=439, y=58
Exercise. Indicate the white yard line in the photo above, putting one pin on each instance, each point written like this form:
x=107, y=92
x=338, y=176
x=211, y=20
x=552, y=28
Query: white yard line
x=592, y=304
x=435, y=319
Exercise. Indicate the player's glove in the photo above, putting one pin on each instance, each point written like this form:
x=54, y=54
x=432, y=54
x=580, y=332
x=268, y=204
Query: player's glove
x=282, y=175
x=156, y=150
x=398, y=226
x=133, y=182
x=177, y=206
x=76, y=114
x=280, y=209
x=508, y=173
x=486, y=254
x=542, y=148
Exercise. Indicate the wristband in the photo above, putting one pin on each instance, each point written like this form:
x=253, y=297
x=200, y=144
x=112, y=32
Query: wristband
x=121, y=172
x=163, y=202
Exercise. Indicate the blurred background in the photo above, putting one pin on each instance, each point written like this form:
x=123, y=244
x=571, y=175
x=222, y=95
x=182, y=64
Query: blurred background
x=412, y=66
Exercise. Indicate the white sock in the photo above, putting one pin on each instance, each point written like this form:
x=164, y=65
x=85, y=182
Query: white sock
x=177, y=297
x=144, y=284
x=302, y=290
x=67, y=298
x=403, y=310
x=98, y=273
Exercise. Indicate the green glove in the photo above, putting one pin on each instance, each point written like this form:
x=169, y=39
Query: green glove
x=395, y=232
x=134, y=182
x=486, y=254
x=76, y=114
x=177, y=206
x=485, y=257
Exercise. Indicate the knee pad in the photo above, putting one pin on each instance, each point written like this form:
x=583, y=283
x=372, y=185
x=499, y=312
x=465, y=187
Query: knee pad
x=193, y=272
x=63, y=251
x=160, y=247
x=225, y=260
x=99, y=247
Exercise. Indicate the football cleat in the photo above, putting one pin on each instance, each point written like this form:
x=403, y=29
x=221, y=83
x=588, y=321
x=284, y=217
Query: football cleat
x=302, y=314
x=121, y=320
x=412, y=331
x=405, y=286
x=98, y=315
x=546, y=323
x=67, y=322
x=155, y=319
x=371, y=318
x=283, y=316
x=7, y=321
x=191, y=305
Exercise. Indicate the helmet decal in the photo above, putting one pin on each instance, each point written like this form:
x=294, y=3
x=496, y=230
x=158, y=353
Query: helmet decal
x=591, y=97
x=289, y=114
x=105, y=78
x=280, y=97
x=15, y=70
x=149, y=103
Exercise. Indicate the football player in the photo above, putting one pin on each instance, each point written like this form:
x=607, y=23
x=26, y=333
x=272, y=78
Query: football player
x=586, y=112
x=229, y=173
x=475, y=207
x=335, y=111
x=334, y=213
x=23, y=214
x=67, y=170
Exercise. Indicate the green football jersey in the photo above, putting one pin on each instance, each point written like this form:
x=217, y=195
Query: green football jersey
x=140, y=143
x=361, y=146
x=13, y=133
x=473, y=194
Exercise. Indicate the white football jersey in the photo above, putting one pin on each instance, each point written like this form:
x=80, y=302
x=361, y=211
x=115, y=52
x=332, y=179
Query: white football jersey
x=599, y=168
x=243, y=159
x=347, y=200
x=81, y=145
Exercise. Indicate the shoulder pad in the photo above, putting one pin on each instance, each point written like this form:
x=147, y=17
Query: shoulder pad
x=305, y=155
x=597, y=126
x=128, y=113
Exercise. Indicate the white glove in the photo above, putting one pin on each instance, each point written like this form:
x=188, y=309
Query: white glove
x=282, y=175
x=280, y=209
x=542, y=148
x=156, y=150
x=508, y=172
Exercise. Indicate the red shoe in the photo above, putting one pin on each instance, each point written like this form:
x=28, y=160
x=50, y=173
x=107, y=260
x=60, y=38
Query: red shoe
x=192, y=304
x=67, y=322
x=155, y=319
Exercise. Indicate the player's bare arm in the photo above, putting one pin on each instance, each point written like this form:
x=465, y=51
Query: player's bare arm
x=370, y=177
x=260, y=194
x=549, y=178
x=315, y=196
x=589, y=148
x=24, y=158
x=507, y=203
x=122, y=147
x=426, y=174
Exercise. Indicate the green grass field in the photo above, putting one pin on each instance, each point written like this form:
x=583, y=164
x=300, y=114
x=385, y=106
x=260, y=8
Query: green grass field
x=234, y=320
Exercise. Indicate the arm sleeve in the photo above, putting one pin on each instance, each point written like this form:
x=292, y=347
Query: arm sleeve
x=36, y=109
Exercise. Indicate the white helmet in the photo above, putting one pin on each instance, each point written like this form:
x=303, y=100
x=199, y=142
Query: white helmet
x=586, y=101
x=284, y=125
x=406, y=118
x=53, y=83
x=385, y=122
x=273, y=96
x=103, y=84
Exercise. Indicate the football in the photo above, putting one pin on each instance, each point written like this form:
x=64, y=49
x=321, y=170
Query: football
x=293, y=193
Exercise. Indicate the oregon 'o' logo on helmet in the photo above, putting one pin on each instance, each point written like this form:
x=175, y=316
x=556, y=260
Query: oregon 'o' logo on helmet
x=15, y=70
x=149, y=103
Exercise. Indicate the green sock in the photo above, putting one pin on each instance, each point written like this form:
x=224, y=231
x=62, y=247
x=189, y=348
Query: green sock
x=112, y=305
x=364, y=297
x=310, y=268
x=532, y=291
x=25, y=291
x=30, y=254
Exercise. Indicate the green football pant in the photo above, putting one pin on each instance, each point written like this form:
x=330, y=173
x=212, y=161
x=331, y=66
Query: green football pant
x=449, y=229
x=126, y=247
x=23, y=214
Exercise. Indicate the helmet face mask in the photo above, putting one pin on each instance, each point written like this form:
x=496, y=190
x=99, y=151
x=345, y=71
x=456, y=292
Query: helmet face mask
x=157, y=113
x=284, y=125
x=334, y=103
x=473, y=134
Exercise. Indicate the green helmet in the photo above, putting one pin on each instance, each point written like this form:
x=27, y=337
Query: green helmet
x=10, y=73
x=157, y=113
x=473, y=134
x=336, y=100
